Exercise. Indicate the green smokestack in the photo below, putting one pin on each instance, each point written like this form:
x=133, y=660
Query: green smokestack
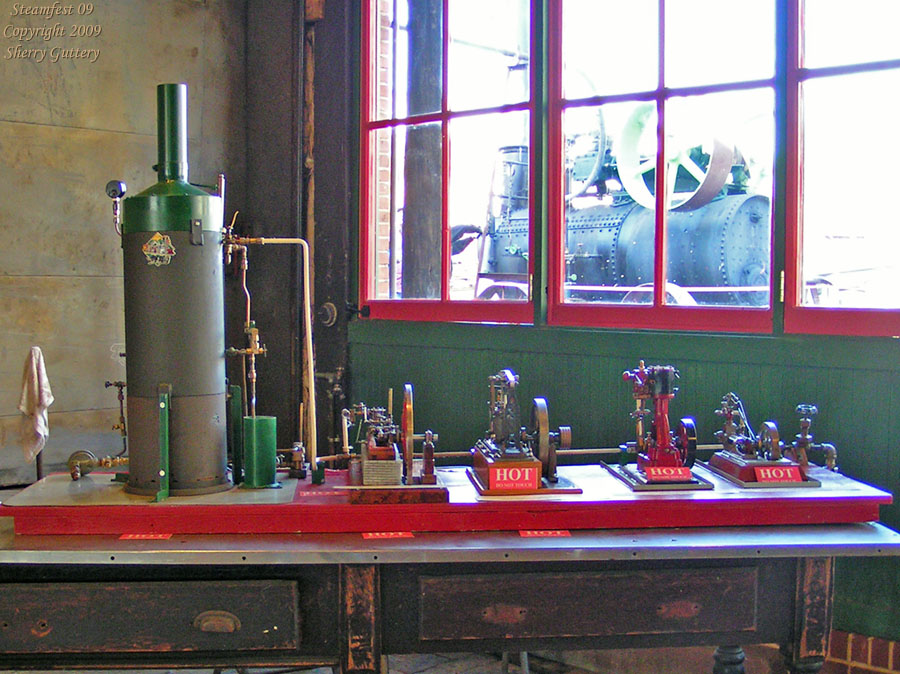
x=171, y=107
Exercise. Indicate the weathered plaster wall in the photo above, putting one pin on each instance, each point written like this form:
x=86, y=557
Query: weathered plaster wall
x=67, y=126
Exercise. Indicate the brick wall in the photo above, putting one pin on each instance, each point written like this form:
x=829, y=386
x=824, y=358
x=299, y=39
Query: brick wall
x=382, y=148
x=858, y=654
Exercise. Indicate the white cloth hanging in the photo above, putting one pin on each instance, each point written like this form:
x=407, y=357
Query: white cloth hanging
x=36, y=398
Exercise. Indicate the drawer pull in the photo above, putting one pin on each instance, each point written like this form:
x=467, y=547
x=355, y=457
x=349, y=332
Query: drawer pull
x=678, y=610
x=504, y=614
x=217, y=621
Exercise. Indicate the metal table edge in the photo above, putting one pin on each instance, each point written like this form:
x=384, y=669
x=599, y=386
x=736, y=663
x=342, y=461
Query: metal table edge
x=844, y=540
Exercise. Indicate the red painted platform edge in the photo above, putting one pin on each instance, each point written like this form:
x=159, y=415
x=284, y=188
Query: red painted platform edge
x=294, y=518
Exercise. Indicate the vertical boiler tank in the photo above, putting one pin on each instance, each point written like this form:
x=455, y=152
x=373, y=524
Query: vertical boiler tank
x=174, y=321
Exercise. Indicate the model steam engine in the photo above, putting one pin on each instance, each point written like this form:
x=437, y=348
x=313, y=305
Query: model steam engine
x=386, y=455
x=512, y=458
x=763, y=459
x=664, y=457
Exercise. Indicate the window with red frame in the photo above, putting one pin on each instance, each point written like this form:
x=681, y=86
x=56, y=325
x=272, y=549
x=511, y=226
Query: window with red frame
x=661, y=132
x=843, y=229
x=446, y=129
x=662, y=137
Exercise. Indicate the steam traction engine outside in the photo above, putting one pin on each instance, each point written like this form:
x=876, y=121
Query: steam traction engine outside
x=718, y=222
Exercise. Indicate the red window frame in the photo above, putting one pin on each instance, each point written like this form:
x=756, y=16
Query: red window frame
x=797, y=317
x=443, y=309
x=659, y=315
x=784, y=282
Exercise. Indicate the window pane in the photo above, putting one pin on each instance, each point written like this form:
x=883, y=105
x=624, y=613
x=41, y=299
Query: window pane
x=389, y=77
x=716, y=41
x=387, y=194
x=489, y=193
x=720, y=151
x=408, y=54
x=488, y=60
x=609, y=47
x=408, y=190
x=610, y=215
x=851, y=232
x=835, y=34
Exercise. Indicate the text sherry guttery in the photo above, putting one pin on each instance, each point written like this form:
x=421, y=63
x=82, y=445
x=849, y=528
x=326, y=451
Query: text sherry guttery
x=26, y=35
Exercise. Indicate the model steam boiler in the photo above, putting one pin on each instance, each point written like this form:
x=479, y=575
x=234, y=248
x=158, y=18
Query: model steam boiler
x=714, y=243
x=174, y=321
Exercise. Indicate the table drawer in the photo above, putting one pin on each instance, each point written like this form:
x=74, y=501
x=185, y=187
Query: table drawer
x=580, y=604
x=149, y=616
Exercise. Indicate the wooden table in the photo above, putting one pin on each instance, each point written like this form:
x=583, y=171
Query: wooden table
x=345, y=600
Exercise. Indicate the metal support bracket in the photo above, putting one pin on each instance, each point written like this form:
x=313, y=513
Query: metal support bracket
x=197, y=232
x=165, y=400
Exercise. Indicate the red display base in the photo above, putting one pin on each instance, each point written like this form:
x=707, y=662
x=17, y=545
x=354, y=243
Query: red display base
x=506, y=477
x=300, y=507
x=752, y=472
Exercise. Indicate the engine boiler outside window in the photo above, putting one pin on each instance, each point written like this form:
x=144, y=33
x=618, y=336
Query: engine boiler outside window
x=662, y=216
x=843, y=236
x=446, y=130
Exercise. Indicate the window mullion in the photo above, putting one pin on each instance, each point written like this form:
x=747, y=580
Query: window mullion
x=445, y=152
x=554, y=254
x=662, y=192
x=662, y=199
x=445, y=209
x=365, y=115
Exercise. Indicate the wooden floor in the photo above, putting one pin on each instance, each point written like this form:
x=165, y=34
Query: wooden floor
x=760, y=660
x=451, y=663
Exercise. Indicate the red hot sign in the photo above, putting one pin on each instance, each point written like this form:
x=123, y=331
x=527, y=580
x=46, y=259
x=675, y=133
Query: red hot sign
x=387, y=534
x=544, y=533
x=778, y=474
x=519, y=477
x=667, y=474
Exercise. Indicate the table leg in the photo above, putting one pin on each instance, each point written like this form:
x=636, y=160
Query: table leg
x=808, y=666
x=812, y=619
x=360, y=620
x=729, y=660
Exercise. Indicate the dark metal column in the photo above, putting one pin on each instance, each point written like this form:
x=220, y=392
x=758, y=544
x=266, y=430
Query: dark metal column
x=336, y=62
x=273, y=205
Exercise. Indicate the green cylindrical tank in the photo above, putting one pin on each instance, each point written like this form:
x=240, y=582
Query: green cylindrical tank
x=175, y=318
x=260, y=455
